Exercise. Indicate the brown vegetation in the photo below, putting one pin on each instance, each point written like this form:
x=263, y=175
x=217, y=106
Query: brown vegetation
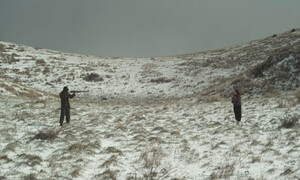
x=290, y=121
x=48, y=135
x=93, y=77
x=162, y=80
x=223, y=172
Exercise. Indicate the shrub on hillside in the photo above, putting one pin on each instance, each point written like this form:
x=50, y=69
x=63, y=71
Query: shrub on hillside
x=75, y=173
x=224, y=171
x=30, y=177
x=76, y=147
x=2, y=48
x=49, y=135
x=46, y=70
x=108, y=174
x=41, y=62
x=30, y=160
x=290, y=121
x=152, y=161
x=94, y=77
x=161, y=80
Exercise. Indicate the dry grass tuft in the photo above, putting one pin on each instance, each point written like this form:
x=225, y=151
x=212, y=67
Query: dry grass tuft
x=3, y=178
x=162, y=80
x=176, y=133
x=108, y=174
x=156, y=140
x=76, y=147
x=254, y=142
x=48, y=135
x=215, y=98
x=113, y=150
x=286, y=172
x=46, y=70
x=151, y=159
x=12, y=146
x=2, y=48
x=30, y=160
x=76, y=172
x=290, y=121
x=255, y=159
x=218, y=145
x=223, y=172
x=121, y=127
x=41, y=62
x=110, y=161
x=30, y=177
x=93, y=77
x=5, y=158
x=93, y=145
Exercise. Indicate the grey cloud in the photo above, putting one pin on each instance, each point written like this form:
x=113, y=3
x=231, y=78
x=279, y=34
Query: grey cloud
x=143, y=27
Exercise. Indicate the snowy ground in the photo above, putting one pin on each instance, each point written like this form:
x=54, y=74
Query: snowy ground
x=179, y=140
x=149, y=118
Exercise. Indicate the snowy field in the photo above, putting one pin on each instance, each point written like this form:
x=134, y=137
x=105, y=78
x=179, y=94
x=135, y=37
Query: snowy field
x=167, y=141
x=152, y=118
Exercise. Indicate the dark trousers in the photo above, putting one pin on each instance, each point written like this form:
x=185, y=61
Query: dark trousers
x=64, y=112
x=237, y=112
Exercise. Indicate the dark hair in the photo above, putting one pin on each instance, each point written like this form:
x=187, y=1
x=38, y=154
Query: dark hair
x=66, y=88
x=237, y=91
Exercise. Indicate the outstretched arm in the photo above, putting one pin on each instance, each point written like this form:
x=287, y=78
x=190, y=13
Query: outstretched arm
x=71, y=95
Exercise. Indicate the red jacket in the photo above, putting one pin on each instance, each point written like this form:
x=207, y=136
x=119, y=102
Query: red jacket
x=236, y=100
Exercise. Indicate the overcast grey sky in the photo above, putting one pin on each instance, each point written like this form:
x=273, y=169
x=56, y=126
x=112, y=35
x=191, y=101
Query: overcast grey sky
x=143, y=27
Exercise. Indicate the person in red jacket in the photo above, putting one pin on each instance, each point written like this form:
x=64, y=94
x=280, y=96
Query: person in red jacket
x=237, y=106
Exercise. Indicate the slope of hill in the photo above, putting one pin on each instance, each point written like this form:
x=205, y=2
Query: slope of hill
x=152, y=118
x=279, y=73
x=128, y=79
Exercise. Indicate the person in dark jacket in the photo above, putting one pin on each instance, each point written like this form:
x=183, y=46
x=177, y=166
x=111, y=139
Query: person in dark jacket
x=65, y=105
x=237, y=106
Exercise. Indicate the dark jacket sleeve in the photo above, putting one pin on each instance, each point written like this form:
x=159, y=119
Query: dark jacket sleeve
x=71, y=95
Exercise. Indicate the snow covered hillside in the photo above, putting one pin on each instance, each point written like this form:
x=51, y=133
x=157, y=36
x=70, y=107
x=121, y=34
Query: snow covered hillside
x=152, y=118
x=135, y=79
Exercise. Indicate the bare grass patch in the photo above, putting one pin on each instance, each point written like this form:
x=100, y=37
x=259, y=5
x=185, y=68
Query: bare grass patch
x=47, y=135
x=76, y=172
x=255, y=159
x=40, y=62
x=110, y=161
x=223, y=172
x=290, y=121
x=161, y=80
x=108, y=174
x=113, y=150
x=30, y=160
x=5, y=158
x=152, y=165
x=11, y=147
x=76, y=147
x=30, y=177
x=93, y=77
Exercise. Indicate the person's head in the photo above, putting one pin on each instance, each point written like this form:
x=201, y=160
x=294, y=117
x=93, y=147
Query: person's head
x=236, y=92
x=66, y=89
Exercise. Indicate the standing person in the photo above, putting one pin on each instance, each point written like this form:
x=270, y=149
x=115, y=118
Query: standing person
x=65, y=105
x=237, y=106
